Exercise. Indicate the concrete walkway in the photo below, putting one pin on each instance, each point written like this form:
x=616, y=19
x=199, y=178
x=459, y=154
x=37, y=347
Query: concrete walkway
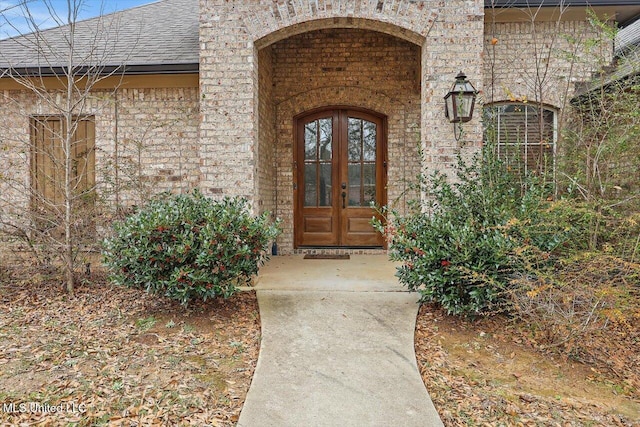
x=337, y=347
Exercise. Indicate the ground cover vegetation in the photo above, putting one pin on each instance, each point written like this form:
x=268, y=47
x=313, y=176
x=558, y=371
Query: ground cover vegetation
x=493, y=372
x=541, y=276
x=531, y=268
x=124, y=348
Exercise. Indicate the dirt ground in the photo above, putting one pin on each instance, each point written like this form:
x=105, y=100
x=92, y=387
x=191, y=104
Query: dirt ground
x=486, y=373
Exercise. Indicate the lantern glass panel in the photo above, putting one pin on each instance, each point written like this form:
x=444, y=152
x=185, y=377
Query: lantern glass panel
x=465, y=106
x=450, y=110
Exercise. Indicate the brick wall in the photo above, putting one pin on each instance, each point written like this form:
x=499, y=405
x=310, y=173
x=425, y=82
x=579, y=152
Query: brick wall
x=15, y=109
x=158, y=131
x=265, y=158
x=346, y=57
x=453, y=44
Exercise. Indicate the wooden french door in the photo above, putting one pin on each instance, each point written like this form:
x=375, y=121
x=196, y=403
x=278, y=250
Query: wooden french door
x=340, y=170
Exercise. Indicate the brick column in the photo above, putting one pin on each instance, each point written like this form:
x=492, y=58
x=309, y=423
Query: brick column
x=228, y=82
x=454, y=44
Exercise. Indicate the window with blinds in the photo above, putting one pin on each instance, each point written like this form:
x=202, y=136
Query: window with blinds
x=524, y=136
x=48, y=160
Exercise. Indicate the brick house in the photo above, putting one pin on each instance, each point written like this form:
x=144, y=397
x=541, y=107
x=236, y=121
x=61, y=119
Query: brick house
x=311, y=109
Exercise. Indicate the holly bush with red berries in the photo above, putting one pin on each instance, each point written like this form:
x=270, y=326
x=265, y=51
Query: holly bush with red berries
x=189, y=247
x=476, y=234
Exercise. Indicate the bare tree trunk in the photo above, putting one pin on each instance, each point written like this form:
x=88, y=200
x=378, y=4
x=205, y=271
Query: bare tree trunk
x=116, y=149
x=68, y=160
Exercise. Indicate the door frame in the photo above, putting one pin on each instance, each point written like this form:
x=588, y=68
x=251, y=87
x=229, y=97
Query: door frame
x=298, y=144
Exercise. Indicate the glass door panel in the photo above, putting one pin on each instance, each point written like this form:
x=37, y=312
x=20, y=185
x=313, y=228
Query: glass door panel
x=318, y=156
x=362, y=149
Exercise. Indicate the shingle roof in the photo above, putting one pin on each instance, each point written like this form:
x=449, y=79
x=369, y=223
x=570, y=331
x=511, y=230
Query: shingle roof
x=628, y=38
x=161, y=36
x=626, y=10
x=157, y=37
x=625, y=73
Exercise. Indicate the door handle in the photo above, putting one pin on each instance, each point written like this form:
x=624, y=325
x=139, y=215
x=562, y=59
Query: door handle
x=344, y=197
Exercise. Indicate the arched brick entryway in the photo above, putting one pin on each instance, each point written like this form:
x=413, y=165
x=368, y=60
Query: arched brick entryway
x=349, y=67
x=394, y=57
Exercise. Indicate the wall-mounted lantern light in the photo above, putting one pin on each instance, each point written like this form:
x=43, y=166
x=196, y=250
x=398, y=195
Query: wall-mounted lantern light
x=459, y=103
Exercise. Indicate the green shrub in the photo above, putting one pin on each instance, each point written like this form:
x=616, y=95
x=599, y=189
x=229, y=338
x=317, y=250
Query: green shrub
x=188, y=247
x=465, y=247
